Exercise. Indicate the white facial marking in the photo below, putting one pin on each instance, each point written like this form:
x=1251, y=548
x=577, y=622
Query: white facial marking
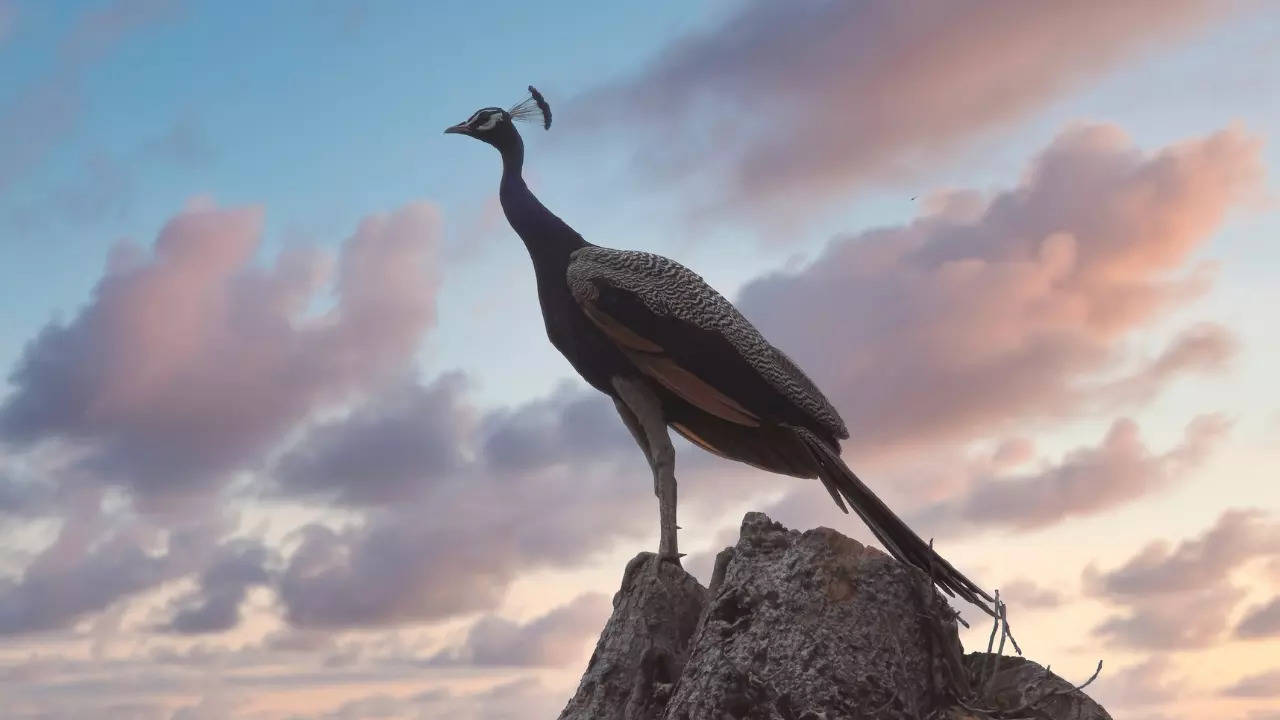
x=488, y=124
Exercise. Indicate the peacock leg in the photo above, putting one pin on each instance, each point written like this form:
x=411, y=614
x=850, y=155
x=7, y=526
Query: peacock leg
x=644, y=418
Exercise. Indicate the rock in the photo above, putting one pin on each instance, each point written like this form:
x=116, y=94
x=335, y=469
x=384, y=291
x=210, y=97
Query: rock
x=799, y=626
x=642, y=650
x=808, y=625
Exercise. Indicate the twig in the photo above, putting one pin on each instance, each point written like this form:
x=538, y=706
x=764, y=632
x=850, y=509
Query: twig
x=1002, y=613
x=1092, y=677
x=1031, y=704
x=991, y=641
x=1008, y=631
x=1002, y=621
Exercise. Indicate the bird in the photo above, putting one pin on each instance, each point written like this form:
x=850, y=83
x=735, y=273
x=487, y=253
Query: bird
x=674, y=354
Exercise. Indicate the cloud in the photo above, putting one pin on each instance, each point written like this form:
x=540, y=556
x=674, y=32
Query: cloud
x=215, y=607
x=1146, y=683
x=387, y=449
x=210, y=707
x=458, y=546
x=190, y=361
x=1237, y=537
x=979, y=314
x=796, y=102
x=567, y=424
x=948, y=490
x=554, y=639
x=392, y=569
x=1023, y=593
x=515, y=700
x=97, y=559
x=1086, y=482
x=185, y=142
x=1265, y=684
x=1205, y=348
x=553, y=481
x=1012, y=453
x=1181, y=598
x=46, y=111
x=1261, y=621
x=456, y=506
x=104, y=182
x=1178, y=621
x=23, y=497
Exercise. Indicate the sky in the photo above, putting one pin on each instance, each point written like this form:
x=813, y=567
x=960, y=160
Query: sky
x=281, y=435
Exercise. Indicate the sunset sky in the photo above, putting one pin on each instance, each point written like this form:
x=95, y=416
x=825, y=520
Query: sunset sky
x=282, y=435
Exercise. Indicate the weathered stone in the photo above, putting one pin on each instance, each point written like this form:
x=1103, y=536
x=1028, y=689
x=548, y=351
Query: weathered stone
x=642, y=649
x=808, y=625
x=800, y=626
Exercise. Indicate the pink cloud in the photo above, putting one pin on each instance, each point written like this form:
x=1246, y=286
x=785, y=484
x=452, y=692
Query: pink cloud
x=191, y=360
x=976, y=315
x=1144, y=684
x=948, y=493
x=1086, y=482
x=1261, y=621
x=1026, y=594
x=1181, y=597
x=799, y=102
x=1266, y=684
x=1237, y=537
x=1013, y=453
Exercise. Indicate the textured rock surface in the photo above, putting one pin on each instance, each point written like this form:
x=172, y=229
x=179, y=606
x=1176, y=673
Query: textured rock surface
x=808, y=625
x=642, y=649
x=801, y=626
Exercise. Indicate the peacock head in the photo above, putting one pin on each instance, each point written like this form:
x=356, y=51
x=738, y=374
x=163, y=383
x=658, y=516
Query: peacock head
x=497, y=126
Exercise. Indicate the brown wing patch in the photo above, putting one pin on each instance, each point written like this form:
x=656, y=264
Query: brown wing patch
x=620, y=333
x=649, y=358
x=692, y=388
x=696, y=439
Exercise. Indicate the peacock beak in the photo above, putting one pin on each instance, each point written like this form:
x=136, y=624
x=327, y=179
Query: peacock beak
x=460, y=128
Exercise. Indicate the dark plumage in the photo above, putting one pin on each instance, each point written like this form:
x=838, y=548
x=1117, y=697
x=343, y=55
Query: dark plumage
x=672, y=352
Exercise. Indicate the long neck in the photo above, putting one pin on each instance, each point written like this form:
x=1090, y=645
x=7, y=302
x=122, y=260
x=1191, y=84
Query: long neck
x=548, y=239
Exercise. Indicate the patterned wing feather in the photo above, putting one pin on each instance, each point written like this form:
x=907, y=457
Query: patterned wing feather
x=664, y=306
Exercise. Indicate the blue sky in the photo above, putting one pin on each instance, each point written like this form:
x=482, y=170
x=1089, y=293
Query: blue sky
x=117, y=115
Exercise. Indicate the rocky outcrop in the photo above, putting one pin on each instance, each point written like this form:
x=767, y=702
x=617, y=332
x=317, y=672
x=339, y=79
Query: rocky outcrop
x=801, y=626
x=643, y=648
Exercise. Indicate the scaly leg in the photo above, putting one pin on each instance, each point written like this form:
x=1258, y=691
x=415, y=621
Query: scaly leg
x=645, y=409
x=637, y=433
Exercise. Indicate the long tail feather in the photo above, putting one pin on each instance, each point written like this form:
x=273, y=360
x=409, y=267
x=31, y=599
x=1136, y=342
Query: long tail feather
x=899, y=539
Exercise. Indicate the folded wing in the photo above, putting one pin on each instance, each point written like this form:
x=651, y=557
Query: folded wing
x=682, y=333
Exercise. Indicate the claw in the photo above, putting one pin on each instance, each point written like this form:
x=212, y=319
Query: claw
x=660, y=558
